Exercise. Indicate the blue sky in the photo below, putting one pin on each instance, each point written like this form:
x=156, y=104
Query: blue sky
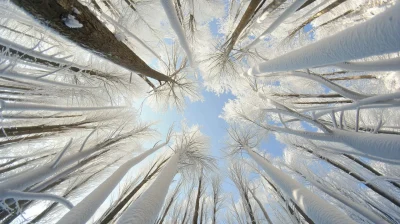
x=206, y=115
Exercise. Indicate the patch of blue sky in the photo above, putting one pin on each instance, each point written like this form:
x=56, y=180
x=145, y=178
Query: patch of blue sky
x=309, y=29
x=168, y=41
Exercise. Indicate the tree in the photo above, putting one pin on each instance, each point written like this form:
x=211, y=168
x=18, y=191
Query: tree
x=189, y=148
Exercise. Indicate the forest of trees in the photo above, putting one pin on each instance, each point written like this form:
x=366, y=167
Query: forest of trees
x=319, y=77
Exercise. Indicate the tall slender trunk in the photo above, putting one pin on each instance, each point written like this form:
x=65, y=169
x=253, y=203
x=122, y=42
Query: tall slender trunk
x=169, y=9
x=248, y=206
x=307, y=3
x=82, y=212
x=27, y=179
x=288, y=207
x=316, y=15
x=153, y=198
x=110, y=215
x=288, y=12
x=197, y=204
x=242, y=24
x=37, y=59
x=319, y=210
x=355, y=175
x=186, y=210
x=171, y=201
x=202, y=211
x=28, y=130
x=261, y=207
x=93, y=35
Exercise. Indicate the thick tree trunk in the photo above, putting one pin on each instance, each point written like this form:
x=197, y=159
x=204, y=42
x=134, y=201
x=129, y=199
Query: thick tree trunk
x=82, y=212
x=93, y=35
x=153, y=198
x=171, y=201
x=376, y=36
x=110, y=216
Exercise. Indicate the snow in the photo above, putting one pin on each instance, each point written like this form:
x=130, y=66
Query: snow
x=120, y=36
x=392, y=81
x=71, y=22
x=376, y=36
x=76, y=11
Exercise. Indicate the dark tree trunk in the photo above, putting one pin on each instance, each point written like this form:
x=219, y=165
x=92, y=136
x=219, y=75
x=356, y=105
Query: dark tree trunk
x=197, y=205
x=93, y=36
x=316, y=15
x=242, y=24
x=307, y=3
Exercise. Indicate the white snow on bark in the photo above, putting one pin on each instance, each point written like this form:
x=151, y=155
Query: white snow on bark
x=287, y=13
x=169, y=9
x=71, y=22
x=76, y=11
x=379, y=35
x=147, y=207
x=82, y=212
x=356, y=207
x=317, y=209
x=392, y=64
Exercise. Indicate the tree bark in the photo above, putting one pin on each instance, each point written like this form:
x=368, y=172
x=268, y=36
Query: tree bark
x=196, y=207
x=316, y=15
x=242, y=24
x=93, y=36
x=261, y=207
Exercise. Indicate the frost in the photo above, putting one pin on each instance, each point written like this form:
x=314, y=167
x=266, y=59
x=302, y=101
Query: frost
x=120, y=36
x=392, y=81
x=76, y=11
x=71, y=22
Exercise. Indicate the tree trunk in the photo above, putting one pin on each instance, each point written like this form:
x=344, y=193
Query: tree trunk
x=85, y=209
x=316, y=15
x=17, y=131
x=324, y=102
x=262, y=208
x=93, y=35
x=343, y=168
x=153, y=198
x=171, y=201
x=196, y=207
x=358, y=77
x=110, y=216
x=242, y=24
x=248, y=206
x=307, y=3
x=319, y=210
x=362, y=38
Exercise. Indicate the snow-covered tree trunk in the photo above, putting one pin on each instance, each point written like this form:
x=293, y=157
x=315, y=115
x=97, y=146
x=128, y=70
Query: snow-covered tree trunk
x=147, y=207
x=288, y=12
x=169, y=9
x=317, y=209
x=376, y=36
x=87, y=207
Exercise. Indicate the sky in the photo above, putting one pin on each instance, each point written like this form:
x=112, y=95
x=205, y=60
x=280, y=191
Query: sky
x=206, y=114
